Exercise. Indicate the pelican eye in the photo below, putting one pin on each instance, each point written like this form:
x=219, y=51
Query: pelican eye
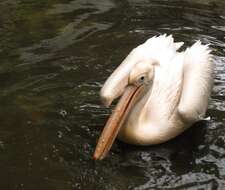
x=141, y=80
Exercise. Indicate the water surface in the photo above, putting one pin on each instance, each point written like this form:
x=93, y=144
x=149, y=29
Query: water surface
x=55, y=56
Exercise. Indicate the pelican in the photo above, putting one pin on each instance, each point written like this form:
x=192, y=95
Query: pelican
x=163, y=92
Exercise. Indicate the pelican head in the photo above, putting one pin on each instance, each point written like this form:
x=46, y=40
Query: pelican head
x=154, y=82
x=139, y=74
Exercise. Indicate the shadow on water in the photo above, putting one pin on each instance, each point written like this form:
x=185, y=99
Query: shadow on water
x=55, y=56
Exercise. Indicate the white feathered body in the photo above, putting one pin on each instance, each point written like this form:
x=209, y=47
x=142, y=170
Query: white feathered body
x=178, y=96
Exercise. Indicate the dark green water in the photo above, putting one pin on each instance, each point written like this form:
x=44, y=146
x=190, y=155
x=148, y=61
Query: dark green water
x=54, y=57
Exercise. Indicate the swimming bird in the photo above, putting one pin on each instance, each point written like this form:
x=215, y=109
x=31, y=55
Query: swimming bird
x=163, y=92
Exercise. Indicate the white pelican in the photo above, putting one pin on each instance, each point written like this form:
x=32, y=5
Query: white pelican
x=163, y=93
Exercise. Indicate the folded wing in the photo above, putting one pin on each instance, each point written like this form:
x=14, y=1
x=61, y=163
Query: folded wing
x=197, y=83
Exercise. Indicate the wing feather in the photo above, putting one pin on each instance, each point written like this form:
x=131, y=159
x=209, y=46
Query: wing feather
x=197, y=82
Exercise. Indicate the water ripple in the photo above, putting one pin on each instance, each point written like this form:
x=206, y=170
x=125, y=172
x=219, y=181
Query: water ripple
x=55, y=56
